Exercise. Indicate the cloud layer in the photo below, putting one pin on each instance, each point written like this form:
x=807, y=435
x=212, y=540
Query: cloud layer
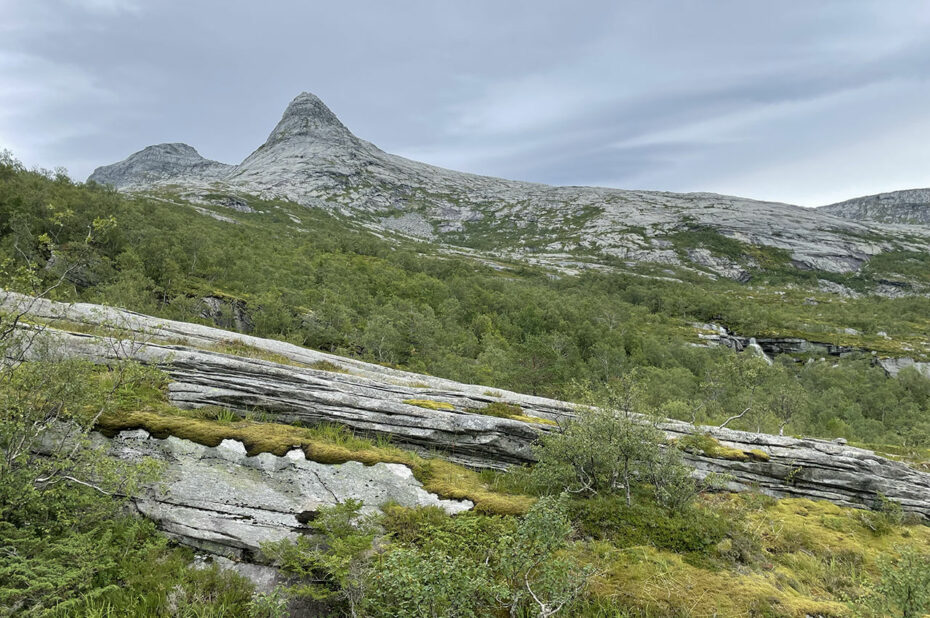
x=798, y=102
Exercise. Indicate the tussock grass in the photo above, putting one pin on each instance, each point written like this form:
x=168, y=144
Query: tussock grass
x=234, y=347
x=790, y=557
x=325, y=365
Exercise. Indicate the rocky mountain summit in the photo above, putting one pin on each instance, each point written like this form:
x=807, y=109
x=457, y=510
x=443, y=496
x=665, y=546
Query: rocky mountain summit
x=312, y=159
x=911, y=206
x=161, y=163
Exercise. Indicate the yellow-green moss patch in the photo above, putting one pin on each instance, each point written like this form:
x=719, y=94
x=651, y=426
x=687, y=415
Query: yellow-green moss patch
x=325, y=365
x=429, y=404
x=708, y=445
x=234, y=347
x=327, y=445
x=661, y=583
x=511, y=411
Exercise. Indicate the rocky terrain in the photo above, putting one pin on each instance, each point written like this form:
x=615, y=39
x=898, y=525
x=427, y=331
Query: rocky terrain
x=312, y=159
x=218, y=498
x=910, y=206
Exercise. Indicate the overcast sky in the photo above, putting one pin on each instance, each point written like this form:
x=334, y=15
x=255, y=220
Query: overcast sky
x=796, y=101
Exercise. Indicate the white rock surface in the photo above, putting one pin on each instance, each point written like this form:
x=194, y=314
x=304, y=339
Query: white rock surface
x=911, y=206
x=224, y=502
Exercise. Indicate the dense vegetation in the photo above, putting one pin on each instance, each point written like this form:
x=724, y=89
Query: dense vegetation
x=661, y=549
x=609, y=523
x=313, y=279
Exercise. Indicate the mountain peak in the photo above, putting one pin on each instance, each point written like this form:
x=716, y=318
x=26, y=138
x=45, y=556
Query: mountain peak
x=159, y=163
x=307, y=117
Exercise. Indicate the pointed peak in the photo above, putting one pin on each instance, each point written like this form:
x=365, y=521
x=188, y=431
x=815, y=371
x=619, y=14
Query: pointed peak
x=307, y=117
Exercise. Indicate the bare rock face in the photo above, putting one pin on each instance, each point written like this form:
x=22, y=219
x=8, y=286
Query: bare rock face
x=221, y=501
x=911, y=207
x=227, y=313
x=893, y=366
x=312, y=159
x=373, y=399
x=162, y=163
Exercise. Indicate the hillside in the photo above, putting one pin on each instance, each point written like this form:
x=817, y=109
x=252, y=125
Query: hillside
x=238, y=486
x=909, y=207
x=359, y=419
x=312, y=159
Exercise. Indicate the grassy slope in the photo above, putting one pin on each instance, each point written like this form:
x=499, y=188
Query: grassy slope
x=732, y=554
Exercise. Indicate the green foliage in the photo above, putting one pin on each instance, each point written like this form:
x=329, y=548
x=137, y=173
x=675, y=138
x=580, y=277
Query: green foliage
x=67, y=548
x=534, y=564
x=904, y=587
x=332, y=564
x=884, y=517
x=98, y=562
x=646, y=522
x=602, y=450
x=705, y=444
x=611, y=445
x=501, y=410
x=413, y=582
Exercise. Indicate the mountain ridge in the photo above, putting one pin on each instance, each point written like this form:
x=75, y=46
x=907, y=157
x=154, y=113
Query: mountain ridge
x=310, y=157
x=908, y=206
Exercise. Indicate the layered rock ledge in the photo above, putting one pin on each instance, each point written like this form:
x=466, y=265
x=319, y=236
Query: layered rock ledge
x=373, y=400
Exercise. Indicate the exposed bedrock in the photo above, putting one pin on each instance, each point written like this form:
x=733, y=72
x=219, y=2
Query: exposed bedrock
x=372, y=401
x=226, y=503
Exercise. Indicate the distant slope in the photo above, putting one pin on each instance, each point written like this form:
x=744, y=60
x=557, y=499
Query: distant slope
x=312, y=159
x=911, y=206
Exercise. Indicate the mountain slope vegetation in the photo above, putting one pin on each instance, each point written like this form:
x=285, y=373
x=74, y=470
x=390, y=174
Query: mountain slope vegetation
x=493, y=300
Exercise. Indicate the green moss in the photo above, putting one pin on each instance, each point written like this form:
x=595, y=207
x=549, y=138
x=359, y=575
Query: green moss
x=234, y=347
x=511, y=411
x=325, y=365
x=706, y=444
x=429, y=404
x=326, y=444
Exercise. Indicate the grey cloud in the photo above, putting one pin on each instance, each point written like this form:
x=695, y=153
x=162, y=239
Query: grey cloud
x=675, y=95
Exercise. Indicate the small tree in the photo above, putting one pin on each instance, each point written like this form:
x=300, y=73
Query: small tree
x=533, y=564
x=603, y=449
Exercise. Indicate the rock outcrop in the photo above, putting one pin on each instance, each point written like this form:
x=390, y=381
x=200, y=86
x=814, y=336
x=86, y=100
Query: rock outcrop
x=894, y=366
x=772, y=346
x=162, y=163
x=911, y=206
x=221, y=501
x=373, y=399
x=312, y=159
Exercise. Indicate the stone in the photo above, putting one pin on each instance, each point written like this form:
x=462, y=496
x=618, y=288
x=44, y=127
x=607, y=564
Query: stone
x=158, y=164
x=911, y=206
x=893, y=366
x=370, y=400
x=226, y=503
